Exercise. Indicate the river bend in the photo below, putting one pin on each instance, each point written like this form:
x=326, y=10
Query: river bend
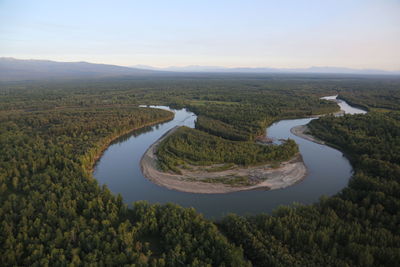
x=328, y=171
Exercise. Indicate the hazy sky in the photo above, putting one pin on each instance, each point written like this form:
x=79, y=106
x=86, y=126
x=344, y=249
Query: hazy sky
x=298, y=33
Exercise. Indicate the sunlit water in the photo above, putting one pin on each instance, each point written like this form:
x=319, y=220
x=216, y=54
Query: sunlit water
x=344, y=106
x=328, y=171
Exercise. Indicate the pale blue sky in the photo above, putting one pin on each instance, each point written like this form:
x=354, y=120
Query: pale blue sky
x=297, y=33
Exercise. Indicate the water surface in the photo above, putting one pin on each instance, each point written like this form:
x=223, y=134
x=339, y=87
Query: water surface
x=328, y=171
x=345, y=106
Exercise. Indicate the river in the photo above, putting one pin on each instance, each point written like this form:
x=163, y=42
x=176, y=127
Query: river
x=328, y=171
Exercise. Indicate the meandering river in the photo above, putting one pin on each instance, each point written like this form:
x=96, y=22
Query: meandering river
x=328, y=171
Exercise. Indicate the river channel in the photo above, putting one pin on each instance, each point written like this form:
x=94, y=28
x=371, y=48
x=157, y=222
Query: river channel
x=328, y=171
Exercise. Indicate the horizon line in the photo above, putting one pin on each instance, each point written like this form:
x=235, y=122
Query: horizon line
x=197, y=65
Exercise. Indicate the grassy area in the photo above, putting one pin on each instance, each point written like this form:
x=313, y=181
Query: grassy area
x=231, y=180
x=220, y=168
x=384, y=110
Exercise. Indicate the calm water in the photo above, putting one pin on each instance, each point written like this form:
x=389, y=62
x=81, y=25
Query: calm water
x=344, y=106
x=328, y=172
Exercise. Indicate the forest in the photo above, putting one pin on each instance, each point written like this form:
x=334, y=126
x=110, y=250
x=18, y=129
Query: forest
x=229, y=122
x=188, y=146
x=54, y=213
x=358, y=226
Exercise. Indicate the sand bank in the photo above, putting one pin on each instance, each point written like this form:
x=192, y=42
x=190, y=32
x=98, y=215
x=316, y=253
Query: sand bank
x=302, y=131
x=267, y=177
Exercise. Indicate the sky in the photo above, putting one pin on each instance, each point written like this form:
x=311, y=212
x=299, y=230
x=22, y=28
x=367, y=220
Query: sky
x=282, y=34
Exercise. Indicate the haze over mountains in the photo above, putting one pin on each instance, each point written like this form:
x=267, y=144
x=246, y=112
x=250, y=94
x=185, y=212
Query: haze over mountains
x=12, y=69
x=338, y=70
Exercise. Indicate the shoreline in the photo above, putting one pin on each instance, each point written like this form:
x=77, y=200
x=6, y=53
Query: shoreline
x=287, y=174
x=301, y=131
x=104, y=146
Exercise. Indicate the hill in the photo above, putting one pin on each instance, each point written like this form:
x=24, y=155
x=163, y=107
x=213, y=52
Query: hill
x=313, y=70
x=12, y=69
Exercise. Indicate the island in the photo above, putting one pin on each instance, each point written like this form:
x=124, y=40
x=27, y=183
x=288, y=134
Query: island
x=284, y=168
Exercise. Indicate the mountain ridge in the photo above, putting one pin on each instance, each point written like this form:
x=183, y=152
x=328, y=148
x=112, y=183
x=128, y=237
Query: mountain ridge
x=313, y=69
x=12, y=69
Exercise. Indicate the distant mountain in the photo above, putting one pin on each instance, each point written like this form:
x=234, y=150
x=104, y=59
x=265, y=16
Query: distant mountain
x=12, y=69
x=350, y=71
x=338, y=70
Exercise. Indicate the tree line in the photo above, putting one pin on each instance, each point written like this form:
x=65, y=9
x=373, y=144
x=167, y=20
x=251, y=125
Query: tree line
x=188, y=146
x=358, y=226
x=53, y=212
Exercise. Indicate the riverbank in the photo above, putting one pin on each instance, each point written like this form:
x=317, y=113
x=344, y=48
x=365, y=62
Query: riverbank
x=303, y=132
x=105, y=143
x=120, y=169
x=268, y=177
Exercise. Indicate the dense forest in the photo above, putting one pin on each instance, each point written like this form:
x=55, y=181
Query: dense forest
x=244, y=114
x=229, y=121
x=359, y=226
x=188, y=146
x=382, y=98
x=53, y=212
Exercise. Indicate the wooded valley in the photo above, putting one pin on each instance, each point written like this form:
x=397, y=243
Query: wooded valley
x=54, y=212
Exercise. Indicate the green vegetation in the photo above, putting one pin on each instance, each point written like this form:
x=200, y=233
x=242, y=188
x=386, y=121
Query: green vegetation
x=374, y=136
x=54, y=213
x=221, y=167
x=232, y=180
x=221, y=129
x=194, y=147
x=250, y=112
x=236, y=114
x=359, y=226
x=380, y=99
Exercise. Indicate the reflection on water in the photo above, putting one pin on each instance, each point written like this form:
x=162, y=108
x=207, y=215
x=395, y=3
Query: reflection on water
x=118, y=168
x=134, y=133
x=344, y=106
